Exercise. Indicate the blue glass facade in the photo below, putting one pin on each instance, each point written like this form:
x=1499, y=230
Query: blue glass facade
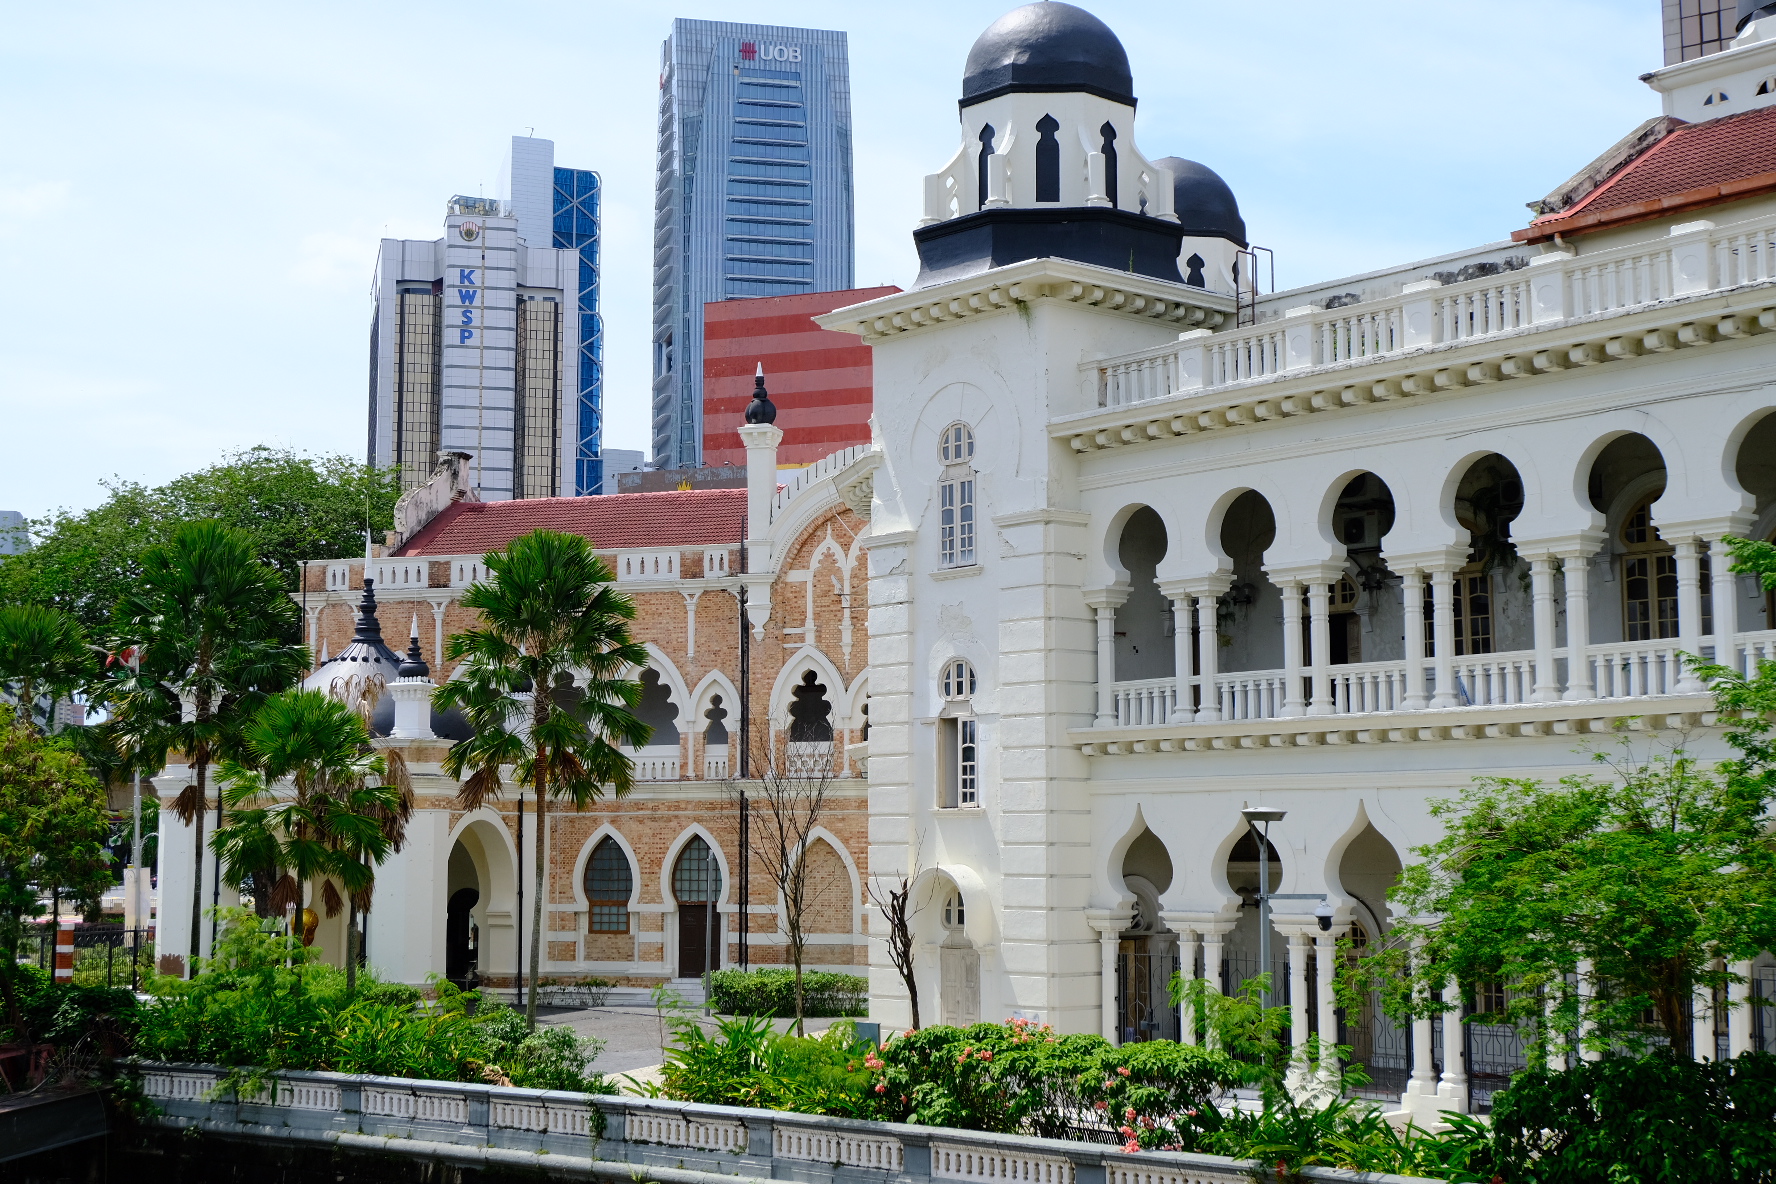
x=753, y=195
x=576, y=229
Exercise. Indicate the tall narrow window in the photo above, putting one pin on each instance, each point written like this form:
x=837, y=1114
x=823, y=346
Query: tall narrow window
x=1048, y=160
x=1109, y=134
x=608, y=885
x=957, y=732
x=1649, y=579
x=955, y=497
x=980, y=167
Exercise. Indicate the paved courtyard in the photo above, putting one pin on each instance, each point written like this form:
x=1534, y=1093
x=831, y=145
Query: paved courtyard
x=635, y=1038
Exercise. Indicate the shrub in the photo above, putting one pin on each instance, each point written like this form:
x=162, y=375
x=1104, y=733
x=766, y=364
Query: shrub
x=1647, y=1118
x=745, y=1062
x=550, y=1057
x=770, y=991
x=62, y=1013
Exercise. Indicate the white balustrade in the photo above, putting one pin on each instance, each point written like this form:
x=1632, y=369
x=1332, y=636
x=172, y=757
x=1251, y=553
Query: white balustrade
x=401, y=573
x=657, y=564
x=1368, y=686
x=1631, y=669
x=820, y=470
x=518, y=1115
x=1136, y=1172
x=657, y=762
x=951, y=1161
x=826, y=1146
x=1586, y=285
x=1144, y=701
x=173, y=1086
x=675, y=1131
x=1751, y=649
x=1493, y=680
x=715, y=763
x=307, y=1095
x=1251, y=694
x=420, y=1107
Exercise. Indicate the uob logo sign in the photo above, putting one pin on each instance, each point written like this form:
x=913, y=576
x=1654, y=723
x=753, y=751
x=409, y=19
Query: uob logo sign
x=752, y=51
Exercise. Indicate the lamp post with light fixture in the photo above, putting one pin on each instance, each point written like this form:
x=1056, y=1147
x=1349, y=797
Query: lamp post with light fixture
x=1263, y=816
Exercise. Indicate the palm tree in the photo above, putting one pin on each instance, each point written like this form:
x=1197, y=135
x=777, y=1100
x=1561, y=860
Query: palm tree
x=43, y=650
x=216, y=630
x=346, y=811
x=549, y=616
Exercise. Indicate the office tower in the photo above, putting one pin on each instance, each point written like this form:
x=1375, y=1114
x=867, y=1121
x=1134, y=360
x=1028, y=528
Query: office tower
x=752, y=194
x=1697, y=28
x=488, y=340
x=821, y=381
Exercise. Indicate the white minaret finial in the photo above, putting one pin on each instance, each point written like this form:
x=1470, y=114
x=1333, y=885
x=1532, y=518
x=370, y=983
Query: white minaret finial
x=414, y=633
x=760, y=373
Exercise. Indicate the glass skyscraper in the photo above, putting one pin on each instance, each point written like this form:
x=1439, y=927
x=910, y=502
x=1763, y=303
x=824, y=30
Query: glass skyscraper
x=576, y=229
x=752, y=195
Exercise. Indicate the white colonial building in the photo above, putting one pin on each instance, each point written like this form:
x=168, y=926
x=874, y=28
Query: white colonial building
x=1147, y=548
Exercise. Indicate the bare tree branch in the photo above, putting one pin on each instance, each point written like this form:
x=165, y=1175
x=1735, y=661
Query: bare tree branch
x=893, y=899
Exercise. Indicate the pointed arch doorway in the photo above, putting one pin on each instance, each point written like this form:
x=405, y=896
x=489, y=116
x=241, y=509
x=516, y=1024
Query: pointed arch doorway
x=697, y=886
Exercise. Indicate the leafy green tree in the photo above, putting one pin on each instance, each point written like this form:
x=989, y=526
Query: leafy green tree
x=52, y=836
x=43, y=651
x=549, y=617
x=215, y=628
x=345, y=811
x=292, y=507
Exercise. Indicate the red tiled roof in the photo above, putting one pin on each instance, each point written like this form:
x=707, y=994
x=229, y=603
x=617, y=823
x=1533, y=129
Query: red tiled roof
x=678, y=518
x=1697, y=164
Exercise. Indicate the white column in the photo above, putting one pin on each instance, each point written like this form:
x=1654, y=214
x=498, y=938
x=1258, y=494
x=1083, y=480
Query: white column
x=1702, y=1020
x=1108, y=940
x=1541, y=583
x=1298, y=1030
x=1319, y=647
x=1577, y=569
x=1325, y=954
x=1212, y=938
x=1412, y=611
x=1738, y=997
x=1187, y=971
x=1293, y=706
x=1725, y=589
x=1443, y=636
x=1208, y=643
x=1689, y=610
x=1452, y=1089
x=1423, y=1082
x=1106, y=663
x=1587, y=991
x=1182, y=679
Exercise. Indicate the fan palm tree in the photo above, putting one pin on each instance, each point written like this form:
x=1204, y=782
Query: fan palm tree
x=346, y=809
x=216, y=631
x=549, y=617
x=43, y=650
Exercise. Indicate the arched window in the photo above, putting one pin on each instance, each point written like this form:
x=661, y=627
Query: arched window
x=953, y=915
x=810, y=715
x=1649, y=578
x=980, y=168
x=1109, y=134
x=696, y=877
x=955, y=497
x=1048, y=160
x=717, y=731
x=608, y=885
x=957, y=731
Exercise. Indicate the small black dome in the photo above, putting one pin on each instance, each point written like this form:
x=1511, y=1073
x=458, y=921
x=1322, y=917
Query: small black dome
x=1750, y=10
x=1204, y=204
x=1047, y=47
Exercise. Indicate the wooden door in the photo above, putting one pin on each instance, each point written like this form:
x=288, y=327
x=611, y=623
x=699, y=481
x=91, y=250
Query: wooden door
x=693, y=940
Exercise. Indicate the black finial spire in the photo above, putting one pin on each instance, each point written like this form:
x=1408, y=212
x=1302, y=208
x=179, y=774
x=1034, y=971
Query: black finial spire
x=761, y=409
x=413, y=664
x=369, y=628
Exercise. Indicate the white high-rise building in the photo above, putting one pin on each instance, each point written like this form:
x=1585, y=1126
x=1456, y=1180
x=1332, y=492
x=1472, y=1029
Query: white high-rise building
x=487, y=340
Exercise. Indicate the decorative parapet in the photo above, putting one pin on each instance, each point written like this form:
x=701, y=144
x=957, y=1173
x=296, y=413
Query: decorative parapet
x=621, y=1138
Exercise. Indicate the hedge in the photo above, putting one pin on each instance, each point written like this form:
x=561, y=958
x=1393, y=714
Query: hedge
x=770, y=991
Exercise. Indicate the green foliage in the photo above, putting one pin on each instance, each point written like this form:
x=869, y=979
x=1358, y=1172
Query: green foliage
x=52, y=833
x=1647, y=877
x=770, y=991
x=549, y=615
x=263, y=1006
x=292, y=507
x=61, y=1013
x=1354, y=1135
x=745, y=1062
x=43, y=651
x=1654, y=1118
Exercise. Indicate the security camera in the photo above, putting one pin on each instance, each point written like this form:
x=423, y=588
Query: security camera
x=1323, y=915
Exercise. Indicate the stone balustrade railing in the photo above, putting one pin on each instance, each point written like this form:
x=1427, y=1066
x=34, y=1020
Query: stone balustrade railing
x=1696, y=258
x=628, y=1138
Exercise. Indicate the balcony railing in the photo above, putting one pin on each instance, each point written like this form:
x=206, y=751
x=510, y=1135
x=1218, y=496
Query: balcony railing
x=1552, y=289
x=1625, y=670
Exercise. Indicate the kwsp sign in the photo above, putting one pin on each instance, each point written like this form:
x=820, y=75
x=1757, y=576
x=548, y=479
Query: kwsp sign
x=752, y=51
x=468, y=306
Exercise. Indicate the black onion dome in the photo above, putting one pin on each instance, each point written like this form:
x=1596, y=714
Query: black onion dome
x=1750, y=10
x=1205, y=206
x=1047, y=47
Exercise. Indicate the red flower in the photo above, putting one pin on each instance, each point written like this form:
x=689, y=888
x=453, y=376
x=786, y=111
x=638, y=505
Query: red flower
x=1102, y=1105
x=1123, y=1070
x=882, y=1087
x=1130, y=1147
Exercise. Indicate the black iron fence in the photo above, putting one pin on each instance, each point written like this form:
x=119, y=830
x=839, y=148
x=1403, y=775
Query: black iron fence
x=1763, y=1008
x=1144, y=1006
x=104, y=955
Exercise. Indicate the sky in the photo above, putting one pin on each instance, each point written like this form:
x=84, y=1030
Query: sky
x=191, y=194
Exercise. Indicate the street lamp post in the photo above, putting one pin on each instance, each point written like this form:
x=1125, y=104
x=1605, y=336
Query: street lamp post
x=1263, y=816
